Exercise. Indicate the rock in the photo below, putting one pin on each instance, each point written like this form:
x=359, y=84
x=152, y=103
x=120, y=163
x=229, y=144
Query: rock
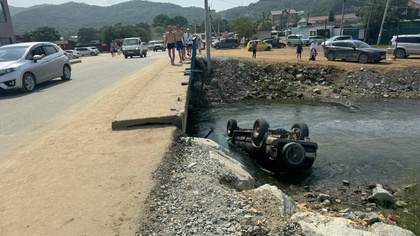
x=286, y=206
x=371, y=205
x=272, y=87
x=191, y=165
x=241, y=64
x=385, y=96
x=381, y=196
x=309, y=195
x=344, y=210
x=214, y=82
x=316, y=91
x=307, y=82
x=346, y=182
x=322, y=197
x=382, y=229
x=326, y=203
x=299, y=76
x=362, y=69
x=234, y=174
x=371, y=217
x=401, y=204
x=197, y=86
x=313, y=223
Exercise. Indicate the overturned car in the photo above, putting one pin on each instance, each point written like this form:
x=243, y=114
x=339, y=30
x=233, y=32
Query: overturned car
x=277, y=150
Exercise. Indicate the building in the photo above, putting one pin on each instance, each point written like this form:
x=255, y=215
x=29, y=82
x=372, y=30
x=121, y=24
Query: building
x=7, y=34
x=284, y=19
x=348, y=19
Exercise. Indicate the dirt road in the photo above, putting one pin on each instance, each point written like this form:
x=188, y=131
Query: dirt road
x=288, y=55
x=79, y=177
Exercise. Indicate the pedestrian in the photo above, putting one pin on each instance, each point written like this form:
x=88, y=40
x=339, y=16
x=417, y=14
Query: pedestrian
x=179, y=37
x=314, y=50
x=170, y=44
x=299, y=51
x=114, y=49
x=199, y=43
x=254, y=49
x=189, y=40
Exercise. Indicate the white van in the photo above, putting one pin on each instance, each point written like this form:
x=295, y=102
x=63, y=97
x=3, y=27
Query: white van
x=134, y=47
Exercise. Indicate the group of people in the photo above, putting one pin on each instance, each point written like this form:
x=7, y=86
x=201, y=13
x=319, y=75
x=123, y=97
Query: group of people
x=183, y=42
x=313, y=47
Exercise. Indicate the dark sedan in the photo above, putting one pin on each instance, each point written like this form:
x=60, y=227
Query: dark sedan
x=353, y=50
x=275, y=43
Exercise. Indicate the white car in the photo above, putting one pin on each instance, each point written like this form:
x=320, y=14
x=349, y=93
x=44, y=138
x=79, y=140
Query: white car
x=87, y=51
x=72, y=54
x=24, y=65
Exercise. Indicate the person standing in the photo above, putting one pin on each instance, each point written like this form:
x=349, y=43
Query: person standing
x=199, y=43
x=189, y=39
x=179, y=37
x=170, y=44
x=299, y=51
x=314, y=50
x=254, y=49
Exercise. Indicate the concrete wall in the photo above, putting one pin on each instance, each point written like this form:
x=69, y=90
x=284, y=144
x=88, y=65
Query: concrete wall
x=7, y=34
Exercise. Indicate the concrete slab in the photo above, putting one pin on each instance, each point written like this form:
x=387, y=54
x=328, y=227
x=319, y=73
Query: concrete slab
x=163, y=101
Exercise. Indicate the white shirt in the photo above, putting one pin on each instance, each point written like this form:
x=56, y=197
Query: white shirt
x=314, y=45
x=188, y=37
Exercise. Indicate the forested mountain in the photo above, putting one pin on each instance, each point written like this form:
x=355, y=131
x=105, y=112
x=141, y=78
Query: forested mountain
x=69, y=17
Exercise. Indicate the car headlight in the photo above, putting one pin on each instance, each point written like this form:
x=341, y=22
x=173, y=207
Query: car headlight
x=137, y=48
x=9, y=70
x=123, y=48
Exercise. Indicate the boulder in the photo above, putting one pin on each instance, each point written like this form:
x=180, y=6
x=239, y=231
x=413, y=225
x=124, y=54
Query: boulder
x=371, y=217
x=286, y=206
x=322, y=197
x=382, y=196
x=381, y=229
x=313, y=223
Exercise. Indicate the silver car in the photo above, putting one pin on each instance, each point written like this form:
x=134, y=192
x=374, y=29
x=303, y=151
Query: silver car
x=407, y=45
x=86, y=51
x=24, y=65
x=295, y=39
x=72, y=54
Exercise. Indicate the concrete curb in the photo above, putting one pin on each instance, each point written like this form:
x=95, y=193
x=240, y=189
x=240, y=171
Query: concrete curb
x=75, y=62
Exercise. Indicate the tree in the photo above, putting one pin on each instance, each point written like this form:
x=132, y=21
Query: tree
x=244, y=27
x=158, y=30
x=161, y=20
x=331, y=17
x=86, y=35
x=143, y=25
x=265, y=25
x=46, y=33
x=223, y=25
x=179, y=20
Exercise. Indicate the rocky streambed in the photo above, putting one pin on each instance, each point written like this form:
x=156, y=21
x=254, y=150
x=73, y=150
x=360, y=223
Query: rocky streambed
x=201, y=190
x=238, y=79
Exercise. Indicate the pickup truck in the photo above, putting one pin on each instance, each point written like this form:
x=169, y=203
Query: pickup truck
x=134, y=47
x=276, y=150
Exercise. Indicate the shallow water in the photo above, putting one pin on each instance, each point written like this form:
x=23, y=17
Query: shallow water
x=374, y=141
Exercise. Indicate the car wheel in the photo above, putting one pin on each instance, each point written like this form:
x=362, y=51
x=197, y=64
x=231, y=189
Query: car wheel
x=145, y=54
x=232, y=125
x=289, y=44
x=66, y=73
x=399, y=53
x=258, y=133
x=331, y=56
x=131, y=56
x=299, y=131
x=92, y=54
x=217, y=47
x=268, y=49
x=125, y=57
x=363, y=58
x=233, y=47
x=28, y=83
x=293, y=155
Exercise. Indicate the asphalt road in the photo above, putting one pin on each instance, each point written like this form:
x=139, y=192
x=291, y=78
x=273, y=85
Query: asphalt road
x=21, y=113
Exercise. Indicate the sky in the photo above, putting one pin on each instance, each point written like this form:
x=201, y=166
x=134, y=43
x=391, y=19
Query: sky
x=217, y=5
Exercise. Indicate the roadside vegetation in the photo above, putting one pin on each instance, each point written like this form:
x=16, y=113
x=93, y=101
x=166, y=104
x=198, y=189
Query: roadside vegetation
x=410, y=216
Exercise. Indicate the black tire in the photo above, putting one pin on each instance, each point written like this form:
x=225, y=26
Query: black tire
x=232, y=125
x=289, y=44
x=299, y=131
x=268, y=49
x=400, y=53
x=293, y=155
x=92, y=54
x=145, y=54
x=125, y=57
x=331, y=56
x=28, y=83
x=258, y=132
x=363, y=58
x=233, y=47
x=217, y=47
x=66, y=73
x=131, y=56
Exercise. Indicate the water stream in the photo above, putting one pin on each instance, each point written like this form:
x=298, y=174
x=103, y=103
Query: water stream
x=376, y=141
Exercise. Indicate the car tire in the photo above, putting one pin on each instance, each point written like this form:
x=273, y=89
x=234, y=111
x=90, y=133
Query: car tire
x=217, y=47
x=299, y=131
x=289, y=44
x=232, y=125
x=400, y=53
x=258, y=132
x=92, y=54
x=145, y=54
x=363, y=58
x=331, y=56
x=268, y=49
x=293, y=155
x=66, y=73
x=233, y=47
x=131, y=56
x=28, y=83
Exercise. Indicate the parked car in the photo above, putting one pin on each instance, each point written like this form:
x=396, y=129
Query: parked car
x=150, y=45
x=261, y=45
x=407, y=45
x=277, y=150
x=159, y=45
x=337, y=38
x=24, y=65
x=294, y=39
x=72, y=54
x=318, y=39
x=226, y=43
x=275, y=43
x=353, y=50
x=87, y=51
x=134, y=47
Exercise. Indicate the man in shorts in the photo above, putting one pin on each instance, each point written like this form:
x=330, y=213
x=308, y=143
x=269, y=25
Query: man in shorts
x=179, y=37
x=189, y=39
x=170, y=44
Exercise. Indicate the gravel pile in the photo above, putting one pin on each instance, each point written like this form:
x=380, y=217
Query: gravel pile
x=190, y=200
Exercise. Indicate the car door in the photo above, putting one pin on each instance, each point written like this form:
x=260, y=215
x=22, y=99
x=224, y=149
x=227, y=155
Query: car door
x=411, y=44
x=40, y=67
x=339, y=50
x=55, y=63
x=351, y=51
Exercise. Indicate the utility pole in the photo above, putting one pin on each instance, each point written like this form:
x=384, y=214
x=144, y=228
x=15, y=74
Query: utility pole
x=382, y=24
x=367, y=34
x=342, y=18
x=207, y=28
